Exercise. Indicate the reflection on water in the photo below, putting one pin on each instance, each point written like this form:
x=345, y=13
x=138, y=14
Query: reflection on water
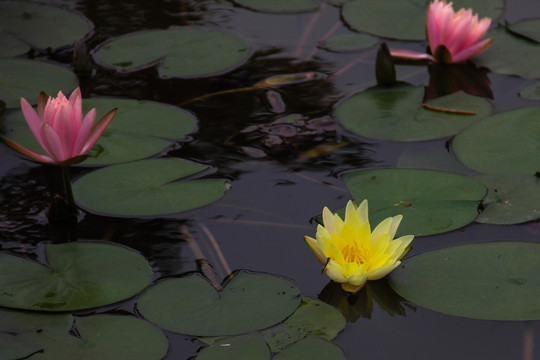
x=283, y=153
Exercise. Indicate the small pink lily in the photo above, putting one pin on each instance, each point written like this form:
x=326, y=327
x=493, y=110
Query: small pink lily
x=60, y=129
x=453, y=37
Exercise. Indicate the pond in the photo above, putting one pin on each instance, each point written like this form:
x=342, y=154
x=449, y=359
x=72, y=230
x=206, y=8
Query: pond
x=267, y=112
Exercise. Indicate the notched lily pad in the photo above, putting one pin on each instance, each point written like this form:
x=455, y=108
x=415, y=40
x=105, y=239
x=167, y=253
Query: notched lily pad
x=502, y=143
x=395, y=113
x=492, y=281
x=431, y=202
x=243, y=347
x=311, y=348
x=191, y=305
x=79, y=275
x=146, y=188
x=178, y=52
x=531, y=91
x=140, y=129
x=529, y=28
x=511, y=199
x=26, y=78
x=40, y=25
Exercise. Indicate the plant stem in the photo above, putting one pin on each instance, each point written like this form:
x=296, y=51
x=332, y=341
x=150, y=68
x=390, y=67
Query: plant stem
x=66, y=177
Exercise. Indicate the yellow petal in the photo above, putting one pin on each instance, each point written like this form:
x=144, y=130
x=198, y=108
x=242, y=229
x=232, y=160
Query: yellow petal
x=362, y=212
x=352, y=288
x=335, y=272
x=314, y=246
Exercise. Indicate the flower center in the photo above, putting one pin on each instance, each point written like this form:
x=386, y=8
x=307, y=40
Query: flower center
x=353, y=253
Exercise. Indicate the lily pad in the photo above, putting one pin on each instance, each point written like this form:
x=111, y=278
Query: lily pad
x=511, y=199
x=146, y=188
x=511, y=54
x=349, y=42
x=40, y=25
x=279, y=6
x=529, y=28
x=179, y=52
x=26, y=78
x=503, y=143
x=313, y=317
x=396, y=113
x=311, y=348
x=531, y=91
x=11, y=46
x=428, y=157
x=79, y=275
x=191, y=305
x=431, y=202
x=140, y=129
x=405, y=19
x=492, y=281
x=244, y=347
x=102, y=337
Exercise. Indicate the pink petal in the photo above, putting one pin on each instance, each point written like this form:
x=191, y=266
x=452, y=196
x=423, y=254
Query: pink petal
x=472, y=51
x=51, y=143
x=410, y=55
x=84, y=132
x=32, y=119
x=65, y=129
x=27, y=152
x=42, y=102
x=98, y=130
x=76, y=102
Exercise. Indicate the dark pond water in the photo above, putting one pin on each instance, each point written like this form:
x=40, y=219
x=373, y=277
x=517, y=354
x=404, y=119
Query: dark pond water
x=276, y=190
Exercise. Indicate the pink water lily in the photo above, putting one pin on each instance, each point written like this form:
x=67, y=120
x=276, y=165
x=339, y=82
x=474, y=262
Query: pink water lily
x=59, y=127
x=453, y=37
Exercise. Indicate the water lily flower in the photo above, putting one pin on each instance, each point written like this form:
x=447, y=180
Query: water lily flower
x=351, y=252
x=59, y=127
x=453, y=37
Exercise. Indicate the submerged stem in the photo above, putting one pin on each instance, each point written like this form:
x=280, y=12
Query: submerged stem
x=66, y=177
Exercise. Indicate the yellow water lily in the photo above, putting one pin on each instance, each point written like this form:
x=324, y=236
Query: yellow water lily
x=351, y=252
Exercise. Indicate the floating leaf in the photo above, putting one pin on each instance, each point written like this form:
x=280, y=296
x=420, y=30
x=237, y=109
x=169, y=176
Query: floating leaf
x=428, y=157
x=140, y=129
x=102, y=337
x=279, y=6
x=349, y=42
x=396, y=113
x=244, y=347
x=180, y=52
x=190, y=305
x=13, y=347
x=405, y=19
x=11, y=46
x=26, y=78
x=431, y=202
x=311, y=348
x=17, y=321
x=313, y=317
x=529, y=28
x=511, y=54
x=40, y=25
x=146, y=188
x=503, y=143
x=79, y=276
x=531, y=91
x=492, y=281
x=511, y=199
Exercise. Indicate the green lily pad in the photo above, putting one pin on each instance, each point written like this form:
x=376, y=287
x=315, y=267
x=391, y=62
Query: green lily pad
x=140, y=129
x=146, y=188
x=349, y=42
x=41, y=25
x=396, y=113
x=511, y=54
x=244, y=347
x=311, y=348
x=438, y=158
x=179, y=52
x=529, y=28
x=191, y=305
x=279, y=6
x=313, y=317
x=531, y=91
x=102, y=337
x=503, y=143
x=13, y=347
x=26, y=78
x=492, y=281
x=78, y=276
x=11, y=46
x=511, y=199
x=431, y=202
x=405, y=19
